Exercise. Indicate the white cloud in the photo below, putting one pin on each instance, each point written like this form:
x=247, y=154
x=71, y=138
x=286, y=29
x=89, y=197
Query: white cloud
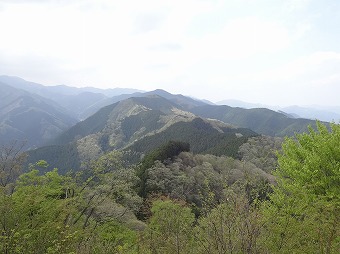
x=102, y=35
x=151, y=44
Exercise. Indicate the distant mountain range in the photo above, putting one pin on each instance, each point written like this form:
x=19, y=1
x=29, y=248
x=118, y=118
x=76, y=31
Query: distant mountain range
x=30, y=117
x=37, y=113
x=261, y=120
x=71, y=126
x=313, y=112
x=139, y=125
x=80, y=102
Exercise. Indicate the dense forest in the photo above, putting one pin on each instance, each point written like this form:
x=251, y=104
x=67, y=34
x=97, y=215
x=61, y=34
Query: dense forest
x=275, y=196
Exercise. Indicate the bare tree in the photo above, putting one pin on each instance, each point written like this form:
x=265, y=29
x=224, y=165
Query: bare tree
x=12, y=159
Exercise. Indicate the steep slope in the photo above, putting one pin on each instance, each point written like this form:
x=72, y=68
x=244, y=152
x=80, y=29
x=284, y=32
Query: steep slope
x=260, y=120
x=138, y=125
x=204, y=136
x=115, y=121
x=24, y=116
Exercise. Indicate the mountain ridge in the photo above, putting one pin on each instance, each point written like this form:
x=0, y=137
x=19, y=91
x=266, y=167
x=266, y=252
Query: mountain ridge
x=76, y=100
x=125, y=124
x=261, y=120
x=312, y=112
x=29, y=117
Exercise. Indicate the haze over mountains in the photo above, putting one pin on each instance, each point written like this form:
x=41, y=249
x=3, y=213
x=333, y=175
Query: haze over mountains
x=73, y=125
x=27, y=116
x=81, y=102
x=323, y=113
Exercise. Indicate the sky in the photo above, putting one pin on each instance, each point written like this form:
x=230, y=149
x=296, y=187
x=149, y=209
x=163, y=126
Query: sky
x=274, y=52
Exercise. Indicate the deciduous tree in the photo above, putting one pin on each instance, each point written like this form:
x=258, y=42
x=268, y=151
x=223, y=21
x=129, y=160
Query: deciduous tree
x=303, y=214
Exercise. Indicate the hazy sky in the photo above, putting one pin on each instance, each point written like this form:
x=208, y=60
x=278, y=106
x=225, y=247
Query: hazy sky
x=277, y=52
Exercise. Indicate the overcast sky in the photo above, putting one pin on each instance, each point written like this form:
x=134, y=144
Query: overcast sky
x=278, y=52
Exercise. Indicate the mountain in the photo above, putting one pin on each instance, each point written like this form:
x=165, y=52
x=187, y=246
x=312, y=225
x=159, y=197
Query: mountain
x=322, y=113
x=138, y=125
x=76, y=100
x=57, y=108
x=26, y=116
x=240, y=104
x=290, y=115
x=50, y=91
x=204, y=136
x=138, y=122
x=184, y=101
x=313, y=113
x=261, y=120
x=78, y=104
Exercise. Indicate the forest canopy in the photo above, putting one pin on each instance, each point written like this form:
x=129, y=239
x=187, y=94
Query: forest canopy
x=174, y=201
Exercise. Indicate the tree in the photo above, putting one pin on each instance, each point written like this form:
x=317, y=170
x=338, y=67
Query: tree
x=53, y=213
x=167, y=151
x=12, y=159
x=36, y=217
x=170, y=227
x=304, y=211
x=231, y=227
x=261, y=151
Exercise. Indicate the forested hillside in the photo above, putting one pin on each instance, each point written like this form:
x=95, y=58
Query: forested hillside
x=138, y=125
x=25, y=116
x=267, y=200
x=142, y=123
x=261, y=120
x=39, y=114
x=169, y=127
x=202, y=136
x=163, y=173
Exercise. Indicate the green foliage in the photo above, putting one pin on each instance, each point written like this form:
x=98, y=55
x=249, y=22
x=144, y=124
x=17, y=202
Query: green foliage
x=303, y=214
x=169, y=229
x=147, y=120
x=109, y=162
x=167, y=151
x=231, y=227
x=312, y=162
x=51, y=213
x=38, y=212
x=201, y=180
x=261, y=151
x=201, y=135
x=109, y=176
x=113, y=237
x=64, y=157
x=223, y=205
